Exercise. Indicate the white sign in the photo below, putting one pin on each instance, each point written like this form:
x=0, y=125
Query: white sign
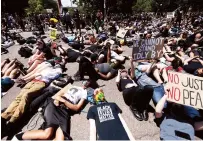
x=170, y=15
x=49, y=10
x=121, y=33
x=185, y=89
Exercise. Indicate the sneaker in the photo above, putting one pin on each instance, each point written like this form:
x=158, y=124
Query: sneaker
x=136, y=114
x=145, y=115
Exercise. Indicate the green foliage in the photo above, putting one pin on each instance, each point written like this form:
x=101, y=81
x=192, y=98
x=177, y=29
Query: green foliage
x=39, y=6
x=35, y=6
x=50, y=4
x=143, y=5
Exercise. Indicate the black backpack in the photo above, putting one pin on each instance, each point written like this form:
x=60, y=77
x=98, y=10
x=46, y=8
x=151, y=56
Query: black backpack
x=25, y=52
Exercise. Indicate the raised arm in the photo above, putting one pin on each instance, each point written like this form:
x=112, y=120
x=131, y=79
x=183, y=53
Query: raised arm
x=109, y=54
x=132, y=71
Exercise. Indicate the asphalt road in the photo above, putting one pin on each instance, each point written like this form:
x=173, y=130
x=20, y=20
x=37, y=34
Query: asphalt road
x=141, y=130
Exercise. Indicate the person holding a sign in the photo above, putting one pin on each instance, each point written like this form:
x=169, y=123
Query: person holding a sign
x=134, y=96
x=178, y=122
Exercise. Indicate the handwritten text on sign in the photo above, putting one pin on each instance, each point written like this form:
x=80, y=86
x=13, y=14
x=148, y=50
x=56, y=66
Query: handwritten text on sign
x=147, y=49
x=185, y=89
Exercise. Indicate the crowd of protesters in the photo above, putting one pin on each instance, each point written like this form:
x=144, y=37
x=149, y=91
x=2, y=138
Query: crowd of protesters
x=45, y=83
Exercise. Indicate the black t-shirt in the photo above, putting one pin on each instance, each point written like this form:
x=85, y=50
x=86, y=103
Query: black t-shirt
x=192, y=67
x=72, y=55
x=108, y=124
x=123, y=83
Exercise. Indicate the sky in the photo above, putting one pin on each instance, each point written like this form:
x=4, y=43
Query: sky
x=67, y=3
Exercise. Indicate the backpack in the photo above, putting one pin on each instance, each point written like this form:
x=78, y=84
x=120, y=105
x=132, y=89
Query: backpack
x=25, y=52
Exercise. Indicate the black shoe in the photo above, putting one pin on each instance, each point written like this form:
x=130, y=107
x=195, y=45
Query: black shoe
x=136, y=113
x=145, y=115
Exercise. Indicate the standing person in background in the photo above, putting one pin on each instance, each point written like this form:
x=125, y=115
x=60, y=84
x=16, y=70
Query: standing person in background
x=76, y=17
x=99, y=15
x=67, y=20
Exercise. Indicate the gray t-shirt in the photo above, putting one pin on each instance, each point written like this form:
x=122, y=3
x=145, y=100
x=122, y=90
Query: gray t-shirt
x=104, y=68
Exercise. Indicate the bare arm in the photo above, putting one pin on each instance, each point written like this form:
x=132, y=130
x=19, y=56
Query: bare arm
x=160, y=106
x=93, y=132
x=109, y=55
x=74, y=107
x=132, y=71
x=126, y=128
x=170, y=59
x=198, y=126
x=118, y=77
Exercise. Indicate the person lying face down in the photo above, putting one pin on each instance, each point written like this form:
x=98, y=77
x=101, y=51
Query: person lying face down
x=106, y=121
x=67, y=102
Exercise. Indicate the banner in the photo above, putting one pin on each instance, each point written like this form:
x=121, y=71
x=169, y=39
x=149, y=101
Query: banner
x=170, y=15
x=53, y=33
x=121, y=33
x=185, y=89
x=147, y=48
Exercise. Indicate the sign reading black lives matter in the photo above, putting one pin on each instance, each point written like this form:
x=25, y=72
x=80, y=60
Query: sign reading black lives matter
x=185, y=89
x=148, y=48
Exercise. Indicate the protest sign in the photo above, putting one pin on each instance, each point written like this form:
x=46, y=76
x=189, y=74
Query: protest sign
x=170, y=15
x=147, y=48
x=121, y=33
x=53, y=33
x=185, y=89
x=49, y=10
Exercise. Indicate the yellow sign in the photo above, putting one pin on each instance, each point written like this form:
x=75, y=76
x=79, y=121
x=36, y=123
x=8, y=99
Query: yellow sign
x=53, y=33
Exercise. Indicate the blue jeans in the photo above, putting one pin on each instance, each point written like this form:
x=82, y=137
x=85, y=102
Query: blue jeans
x=158, y=94
x=191, y=112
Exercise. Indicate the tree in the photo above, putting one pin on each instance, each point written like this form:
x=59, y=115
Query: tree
x=50, y=4
x=143, y=5
x=35, y=6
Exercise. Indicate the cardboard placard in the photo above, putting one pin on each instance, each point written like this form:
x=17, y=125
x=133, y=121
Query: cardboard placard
x=121, y=33
x=53, y=33
x=147, y=48
x=185, y=89
x=170, y=15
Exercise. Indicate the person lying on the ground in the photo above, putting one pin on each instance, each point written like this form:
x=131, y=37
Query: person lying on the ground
x=94, y=69
x=31, y=90
x=49, y=64
x=143, y=79
x=106, y=121
x=42, y=53
x=177, y=122
x=192, y=65
x=58, y=111
x=134, y=96
x=10, y=71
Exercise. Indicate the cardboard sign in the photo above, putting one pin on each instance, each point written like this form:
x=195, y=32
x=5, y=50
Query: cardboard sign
x=147, y=48
x=49, y=10
x=185, y=89
x=53, y=33
x=121, y=33
x=170, y=15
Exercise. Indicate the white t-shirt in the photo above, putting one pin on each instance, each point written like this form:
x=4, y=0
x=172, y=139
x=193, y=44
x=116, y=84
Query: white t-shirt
x=49, y=74
x=75, y=94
